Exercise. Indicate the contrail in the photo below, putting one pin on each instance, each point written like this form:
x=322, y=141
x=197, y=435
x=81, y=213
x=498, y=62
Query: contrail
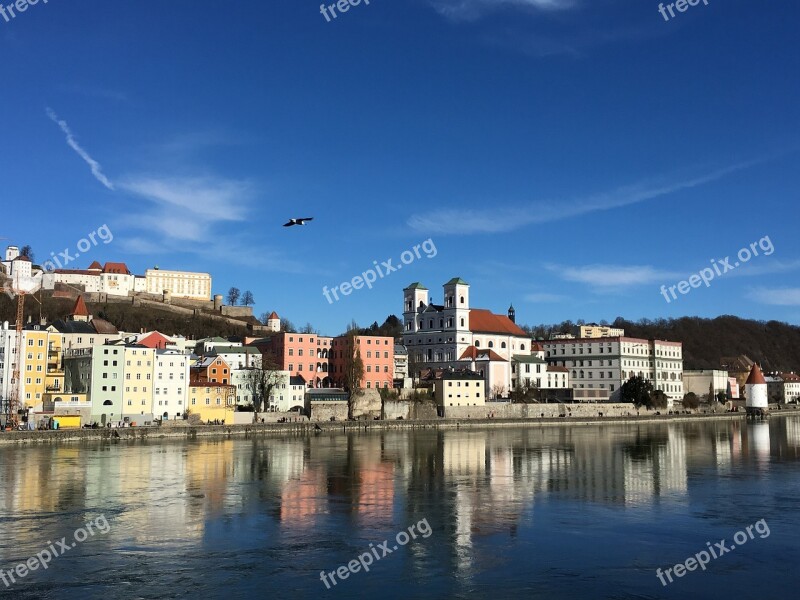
x=95, y=166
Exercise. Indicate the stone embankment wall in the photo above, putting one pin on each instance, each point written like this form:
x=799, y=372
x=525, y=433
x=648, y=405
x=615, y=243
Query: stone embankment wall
x=505, y=410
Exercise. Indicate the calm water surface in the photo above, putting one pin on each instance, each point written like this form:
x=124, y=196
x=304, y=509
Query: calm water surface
x=557, y=512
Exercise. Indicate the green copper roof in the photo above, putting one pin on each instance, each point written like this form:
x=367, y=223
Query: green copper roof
x=456, y=281
x=416, y=286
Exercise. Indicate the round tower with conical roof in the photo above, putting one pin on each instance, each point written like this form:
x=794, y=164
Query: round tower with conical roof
x=757, y=398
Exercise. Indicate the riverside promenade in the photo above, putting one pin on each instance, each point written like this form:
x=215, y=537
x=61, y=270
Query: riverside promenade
x=347, y=427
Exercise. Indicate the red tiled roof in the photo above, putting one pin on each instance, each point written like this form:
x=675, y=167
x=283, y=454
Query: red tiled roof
x=116, y=268
x=756, y=377
x=80, y=309
x=23, y=258
x=484, y=321
x=555, y=369
x=155, y=339
x=789, y=376
x=95, y=266
x=473, y=353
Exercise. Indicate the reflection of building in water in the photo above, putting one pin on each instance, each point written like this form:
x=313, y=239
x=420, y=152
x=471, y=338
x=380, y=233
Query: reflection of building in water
x=758, y=441
x=464, y=454
x=723, y=451
x=375, y=502
x=208, y=471
x=793, y=431
x=305, y=498
x=55, y=482
x=659, y=469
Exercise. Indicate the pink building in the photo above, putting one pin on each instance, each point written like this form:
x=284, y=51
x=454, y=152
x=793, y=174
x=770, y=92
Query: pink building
x=304, y=354
x=377, y=354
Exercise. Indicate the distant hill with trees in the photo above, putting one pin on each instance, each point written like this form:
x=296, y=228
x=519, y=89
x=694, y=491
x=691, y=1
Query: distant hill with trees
x=773, y=344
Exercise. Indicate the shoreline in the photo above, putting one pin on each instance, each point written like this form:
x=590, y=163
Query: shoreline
x=344, y=428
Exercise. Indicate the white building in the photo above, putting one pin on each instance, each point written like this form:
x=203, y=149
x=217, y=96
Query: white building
x=238, y=357
x=289, y=394
x=115, y=279
x=599, y=366
x=783, y=387
x=179, y=284
x=459, y=389
x=454, y=335
x=171, y=384
x=700, y=382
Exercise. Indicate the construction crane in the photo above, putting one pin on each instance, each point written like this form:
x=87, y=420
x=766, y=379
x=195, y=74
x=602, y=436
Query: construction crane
x=14, y=400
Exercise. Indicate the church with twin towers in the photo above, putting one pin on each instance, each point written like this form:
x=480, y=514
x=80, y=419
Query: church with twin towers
x=454, y=335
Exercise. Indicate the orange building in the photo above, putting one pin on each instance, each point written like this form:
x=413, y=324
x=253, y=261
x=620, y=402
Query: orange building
x=377, y=354
x=212, y=369
x=303, y=354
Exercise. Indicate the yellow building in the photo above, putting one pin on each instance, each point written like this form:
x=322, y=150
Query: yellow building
x=137, y=393
x=34, y=367
x=54, y=376
x=212, y=401
x=593, y=330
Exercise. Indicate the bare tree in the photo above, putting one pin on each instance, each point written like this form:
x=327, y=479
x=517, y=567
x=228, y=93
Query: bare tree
x=233, y=296
x=287, y=326
x=309, y=328
x=353, y=367
x=262, y=381
x=26, y=250
x=498, y=391
x=247, y=298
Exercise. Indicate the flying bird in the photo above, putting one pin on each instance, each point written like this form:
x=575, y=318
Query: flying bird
x=293, y=222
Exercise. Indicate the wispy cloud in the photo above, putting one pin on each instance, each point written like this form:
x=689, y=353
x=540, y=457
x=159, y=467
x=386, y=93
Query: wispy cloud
x=776, y=296
x=72, y=143
x=770, y=268
x=188, y=208
x=466, y=10
x=494, y=219
x=607, y=278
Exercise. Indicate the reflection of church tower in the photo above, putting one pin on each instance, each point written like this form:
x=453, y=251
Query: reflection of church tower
x=512, y=314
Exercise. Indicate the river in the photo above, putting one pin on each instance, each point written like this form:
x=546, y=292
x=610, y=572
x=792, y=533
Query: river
x=538, y=512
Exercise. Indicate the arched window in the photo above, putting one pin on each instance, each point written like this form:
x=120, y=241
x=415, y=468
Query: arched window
x=462, y=322
x=503, y=345
x=461, y=300
x=108, y=403
x=477, y=343
x=491, y=344
x=522, y=346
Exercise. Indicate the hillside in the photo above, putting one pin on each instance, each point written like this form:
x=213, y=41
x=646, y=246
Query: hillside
x=774, y=344
x=125, y=317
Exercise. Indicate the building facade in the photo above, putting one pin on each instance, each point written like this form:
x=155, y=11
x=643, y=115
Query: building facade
x=599, y=366
x=455, y=335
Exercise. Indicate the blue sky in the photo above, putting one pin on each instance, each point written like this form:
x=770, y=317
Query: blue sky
x=568, y=156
